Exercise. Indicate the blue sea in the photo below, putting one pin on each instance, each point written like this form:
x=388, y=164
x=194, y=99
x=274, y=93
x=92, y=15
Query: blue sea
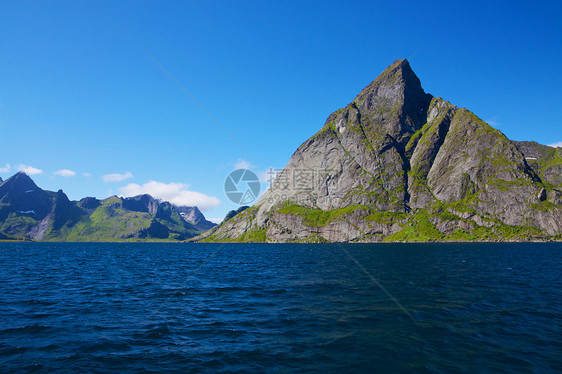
x=389, y=308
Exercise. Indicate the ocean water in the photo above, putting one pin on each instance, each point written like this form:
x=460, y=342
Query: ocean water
x=288, y=308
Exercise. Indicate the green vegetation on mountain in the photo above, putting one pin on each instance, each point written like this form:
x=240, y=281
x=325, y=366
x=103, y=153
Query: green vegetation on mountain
x=316, y=217
x=29, y=213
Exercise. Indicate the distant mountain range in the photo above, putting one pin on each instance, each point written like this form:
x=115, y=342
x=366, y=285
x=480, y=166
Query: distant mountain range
x=29, y=213
x=398, y=164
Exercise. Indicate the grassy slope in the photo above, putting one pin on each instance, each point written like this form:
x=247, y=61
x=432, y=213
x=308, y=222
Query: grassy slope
x=111, y=222
x=415, y=226
x=108, y=222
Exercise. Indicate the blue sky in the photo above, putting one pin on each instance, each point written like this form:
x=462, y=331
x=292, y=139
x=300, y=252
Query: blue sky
x=80, y=92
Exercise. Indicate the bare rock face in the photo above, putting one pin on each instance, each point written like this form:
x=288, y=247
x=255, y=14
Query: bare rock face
x=193, y=215
x=398, y=164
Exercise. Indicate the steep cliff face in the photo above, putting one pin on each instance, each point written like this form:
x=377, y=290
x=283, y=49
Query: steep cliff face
x=547, y=163
x=25, y=209
x=193, y=215
x=399, y=164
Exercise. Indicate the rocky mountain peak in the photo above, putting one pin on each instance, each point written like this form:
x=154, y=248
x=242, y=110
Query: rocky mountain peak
x=395, y=79
x=89, y=203
x=20, y=181
x=21, y=194
x=141, y=203
x=194, y=216
x=394, y=104
x=399, y=73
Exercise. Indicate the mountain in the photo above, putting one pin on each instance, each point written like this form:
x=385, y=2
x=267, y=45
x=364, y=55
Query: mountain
x=228, y=216
x=398, y=164
x=28, y=212
x=193, y=215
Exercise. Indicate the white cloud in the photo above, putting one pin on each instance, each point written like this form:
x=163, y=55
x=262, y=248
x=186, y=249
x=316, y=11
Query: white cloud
x=175, y=193
x=29, y=170
x=117, y=177
x=6, y=169
x=65, y=173
x=243, y=164
x=215, y=220
x=555, y=145
x=87, y=175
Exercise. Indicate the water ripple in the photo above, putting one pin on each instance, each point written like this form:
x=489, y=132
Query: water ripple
x=150, y=308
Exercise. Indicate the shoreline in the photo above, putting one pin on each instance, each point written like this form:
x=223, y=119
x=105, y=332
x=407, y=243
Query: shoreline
x=289, y=242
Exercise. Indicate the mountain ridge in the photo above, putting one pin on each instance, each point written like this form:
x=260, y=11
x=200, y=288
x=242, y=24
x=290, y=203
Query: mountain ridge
x=29, y=213
x=400, y=164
